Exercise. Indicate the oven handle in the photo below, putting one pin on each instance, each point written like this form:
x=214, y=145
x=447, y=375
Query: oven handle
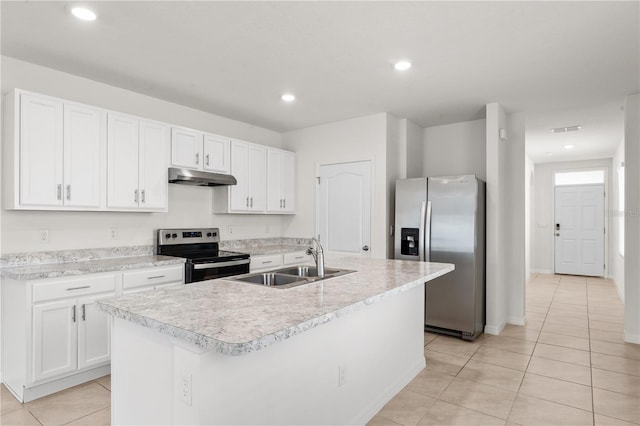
x=221, y=264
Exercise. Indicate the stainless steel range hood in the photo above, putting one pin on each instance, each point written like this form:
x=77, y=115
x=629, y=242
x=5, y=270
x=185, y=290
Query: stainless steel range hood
x=198, y=178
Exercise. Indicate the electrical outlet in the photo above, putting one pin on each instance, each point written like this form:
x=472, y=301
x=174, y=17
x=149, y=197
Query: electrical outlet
x=44, y=236
x=185, y=388
x=230, y=229
x=114, y=233
x=342, y=376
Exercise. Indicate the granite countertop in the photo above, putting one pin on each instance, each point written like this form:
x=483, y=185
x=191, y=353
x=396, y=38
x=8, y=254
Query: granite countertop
x=272, y=249
x=63, y=269
x=235, y=318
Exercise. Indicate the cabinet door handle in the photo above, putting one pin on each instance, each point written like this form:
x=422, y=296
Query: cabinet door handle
x=206, y=159
x=59, y=191
x=135, y=196
x=264, y=262
x=84, y=312
x=155, y=277
x=197, y=158
x=68, y=192
x=251, y=202
x=280, y=202
x=78, y=288
x=143, y=197
x=73, y=313
x=247, y=201
x=284, y=204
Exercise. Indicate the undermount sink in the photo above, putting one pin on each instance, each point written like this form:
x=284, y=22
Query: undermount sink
x=290, y=277
x=309, y=271
x=270, y=279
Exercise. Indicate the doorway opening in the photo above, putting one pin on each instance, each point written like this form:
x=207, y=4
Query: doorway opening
x=579, y=222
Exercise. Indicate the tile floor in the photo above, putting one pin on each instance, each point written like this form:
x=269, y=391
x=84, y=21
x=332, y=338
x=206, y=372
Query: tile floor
x=567, y=366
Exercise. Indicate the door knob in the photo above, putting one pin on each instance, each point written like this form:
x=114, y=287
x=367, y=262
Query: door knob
x=365, y=248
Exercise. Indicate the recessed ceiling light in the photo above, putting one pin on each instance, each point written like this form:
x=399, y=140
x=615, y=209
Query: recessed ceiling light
x=568, y=147
x=83, y=13
x=288, y=97
x=402, y=65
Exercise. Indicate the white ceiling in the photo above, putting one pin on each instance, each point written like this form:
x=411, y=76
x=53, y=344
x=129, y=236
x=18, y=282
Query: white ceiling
x=235, y=59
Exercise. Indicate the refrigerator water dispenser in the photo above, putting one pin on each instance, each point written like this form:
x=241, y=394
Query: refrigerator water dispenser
x=409, y=241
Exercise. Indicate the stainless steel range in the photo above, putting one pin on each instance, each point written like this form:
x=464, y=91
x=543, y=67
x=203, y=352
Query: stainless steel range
x=205, y=261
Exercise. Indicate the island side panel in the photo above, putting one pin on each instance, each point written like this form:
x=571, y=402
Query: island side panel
x=141, y=375
x=379, y=349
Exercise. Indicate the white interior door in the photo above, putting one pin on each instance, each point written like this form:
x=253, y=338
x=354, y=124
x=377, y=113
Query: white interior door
x=579, y=230
x=344, y=210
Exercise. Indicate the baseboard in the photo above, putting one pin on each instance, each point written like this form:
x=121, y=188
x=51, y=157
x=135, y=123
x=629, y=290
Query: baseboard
x=631, y=338
x=516, y=320
x=542, y=271
x=494, y=329
x=35, y=392
x=374, y=407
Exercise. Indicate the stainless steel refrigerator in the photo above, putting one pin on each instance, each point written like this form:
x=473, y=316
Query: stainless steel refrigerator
x=442, y=219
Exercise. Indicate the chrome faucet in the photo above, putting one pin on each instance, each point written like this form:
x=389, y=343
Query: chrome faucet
x=318, y=256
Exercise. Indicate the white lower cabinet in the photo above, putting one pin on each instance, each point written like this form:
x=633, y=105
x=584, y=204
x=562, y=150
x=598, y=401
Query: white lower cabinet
x=54, y=336
x=267, y=262
x=69, y=333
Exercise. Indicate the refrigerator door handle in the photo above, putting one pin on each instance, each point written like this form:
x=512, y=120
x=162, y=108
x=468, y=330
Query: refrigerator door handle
x=427, y=234
x=421, y=239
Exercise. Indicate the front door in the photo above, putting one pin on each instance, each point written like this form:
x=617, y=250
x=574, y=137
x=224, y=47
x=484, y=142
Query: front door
x=344, y=209
x=579, y=230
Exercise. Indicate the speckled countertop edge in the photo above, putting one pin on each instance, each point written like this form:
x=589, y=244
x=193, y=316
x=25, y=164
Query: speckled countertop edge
x=64, y=269
x=241, y=346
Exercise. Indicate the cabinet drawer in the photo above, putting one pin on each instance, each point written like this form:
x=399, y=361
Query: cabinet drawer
x=296, y=257
x=82, y=285
x=152, y=276
x=268, y=261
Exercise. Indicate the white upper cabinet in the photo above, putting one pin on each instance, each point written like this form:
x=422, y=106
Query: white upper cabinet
x=249, y=167
x=56, y=160
x=217, y=154
x=257, y=181
x=153, y=179
x=186, y=148
x=137, y=164
x=41, y=151
x=122, y=168
x=239, y=193
x=200, y=151
x=60, y=154
x=281, y=176
x=84, y=141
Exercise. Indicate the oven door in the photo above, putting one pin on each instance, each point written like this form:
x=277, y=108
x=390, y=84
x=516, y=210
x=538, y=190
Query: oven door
x=213, y=270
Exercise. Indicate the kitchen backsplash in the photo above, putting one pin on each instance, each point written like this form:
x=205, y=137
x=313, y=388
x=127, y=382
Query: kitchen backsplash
x=261, y=242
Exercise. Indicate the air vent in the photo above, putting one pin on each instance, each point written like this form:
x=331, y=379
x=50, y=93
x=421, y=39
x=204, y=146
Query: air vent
x=566, y=129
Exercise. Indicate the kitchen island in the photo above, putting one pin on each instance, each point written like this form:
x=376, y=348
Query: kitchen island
x=226, y=352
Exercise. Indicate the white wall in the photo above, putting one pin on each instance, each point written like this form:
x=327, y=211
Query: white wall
x=513, y=218
x=632, y=219
x=393, y=173
x=544, y=208
x=496, y=292
x=411, y=148
x=456, y=149
x=529, y=206
x=187, y=206
x=616, y=260
x=358, y=139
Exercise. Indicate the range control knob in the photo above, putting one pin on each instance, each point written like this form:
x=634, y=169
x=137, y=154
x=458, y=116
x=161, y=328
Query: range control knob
x=208, y=234
x=167, y=235
x=174, y=235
